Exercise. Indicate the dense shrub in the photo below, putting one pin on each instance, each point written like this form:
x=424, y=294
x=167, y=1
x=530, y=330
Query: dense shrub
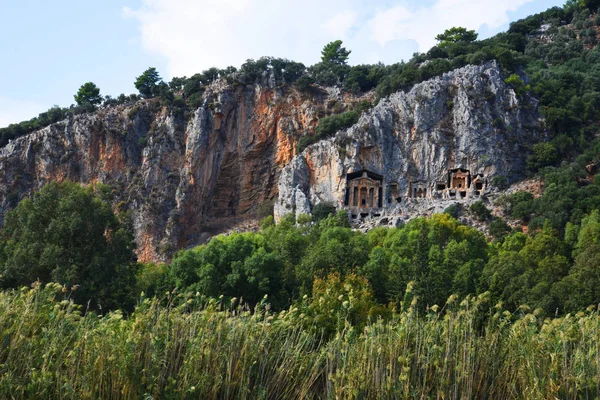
x=327, y=127
x=517, y=84
x=69, y=234
x=453, y=210
x=521, y=205
x=499, y=229
x=500, y=181
x=322, y=211
x=543, y=155
x=480, y=211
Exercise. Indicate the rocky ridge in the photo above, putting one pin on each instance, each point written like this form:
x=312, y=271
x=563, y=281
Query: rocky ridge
x=467, y=119
x=183, y=174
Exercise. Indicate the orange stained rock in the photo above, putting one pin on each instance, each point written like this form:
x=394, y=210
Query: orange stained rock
x=52, y=176
x=145, y=250
x=218, y=119
x=285, y=148
x=311, y=168
x=111, y=157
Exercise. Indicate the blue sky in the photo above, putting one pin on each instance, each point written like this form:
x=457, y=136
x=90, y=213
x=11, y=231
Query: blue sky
x=50, y=48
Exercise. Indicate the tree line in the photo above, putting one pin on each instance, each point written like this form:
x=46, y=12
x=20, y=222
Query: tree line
x=69, y=234
x=562, y=72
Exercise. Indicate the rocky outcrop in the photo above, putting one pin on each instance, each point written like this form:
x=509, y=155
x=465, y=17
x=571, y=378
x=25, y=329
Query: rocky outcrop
x=467, y=121
x=183, y=174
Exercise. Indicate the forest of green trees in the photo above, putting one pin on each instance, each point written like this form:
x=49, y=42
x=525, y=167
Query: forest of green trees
x=69, y=234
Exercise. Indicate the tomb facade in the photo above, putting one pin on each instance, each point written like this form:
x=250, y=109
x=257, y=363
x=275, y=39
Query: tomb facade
x=461, y=184
x=418, y=190
x=364, y=192
x=367, y=194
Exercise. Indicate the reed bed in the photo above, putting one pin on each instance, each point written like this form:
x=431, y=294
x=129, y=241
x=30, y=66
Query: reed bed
x=188, y=348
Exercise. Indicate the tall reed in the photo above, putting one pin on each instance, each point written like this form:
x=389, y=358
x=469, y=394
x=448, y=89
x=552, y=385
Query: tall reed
x=189, y=349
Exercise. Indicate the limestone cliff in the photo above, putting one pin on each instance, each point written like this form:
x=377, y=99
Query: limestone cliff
x=183, y=174
x=186, y=174
x=417, y=152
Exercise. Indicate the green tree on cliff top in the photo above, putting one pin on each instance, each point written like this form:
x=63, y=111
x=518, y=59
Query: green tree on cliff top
x=148, y=82
x=88, y=93
x=456, y=35
x=334, y=53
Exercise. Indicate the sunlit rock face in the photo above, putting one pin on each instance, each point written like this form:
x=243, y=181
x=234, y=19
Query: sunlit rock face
x=440, y=143
x=183, y=175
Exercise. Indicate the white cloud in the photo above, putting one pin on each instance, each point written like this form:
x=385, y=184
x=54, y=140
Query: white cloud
x=14, y=110
x=424, y=24
x=340, y=24
x=391, y=24
x=194, y=35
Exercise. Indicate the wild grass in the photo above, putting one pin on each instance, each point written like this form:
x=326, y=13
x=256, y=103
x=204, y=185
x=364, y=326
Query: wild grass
x=190, y=349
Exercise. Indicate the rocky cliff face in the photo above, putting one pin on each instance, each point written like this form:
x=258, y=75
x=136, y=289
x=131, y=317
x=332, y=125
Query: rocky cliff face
x=183, y=175
x=187, y=174
x=418, y=152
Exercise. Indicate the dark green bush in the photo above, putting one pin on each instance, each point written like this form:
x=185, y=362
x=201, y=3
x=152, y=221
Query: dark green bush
x=453, y=210
x=480, y=211
x=521, y=206
x=70, y=234
x=499, y=228
x=327, y=127
x=543, y=155
x=500, y=181
x=322, y=211
x=304, y=83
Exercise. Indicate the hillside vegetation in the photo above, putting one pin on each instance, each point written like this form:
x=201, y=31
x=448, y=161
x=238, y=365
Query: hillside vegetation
x=553, y=55
x=555, y=269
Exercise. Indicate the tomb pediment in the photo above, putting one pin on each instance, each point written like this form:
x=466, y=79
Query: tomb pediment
x=363, y=173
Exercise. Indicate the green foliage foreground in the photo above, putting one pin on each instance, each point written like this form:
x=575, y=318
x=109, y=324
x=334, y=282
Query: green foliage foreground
x=194, y=349
x=69, y=234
